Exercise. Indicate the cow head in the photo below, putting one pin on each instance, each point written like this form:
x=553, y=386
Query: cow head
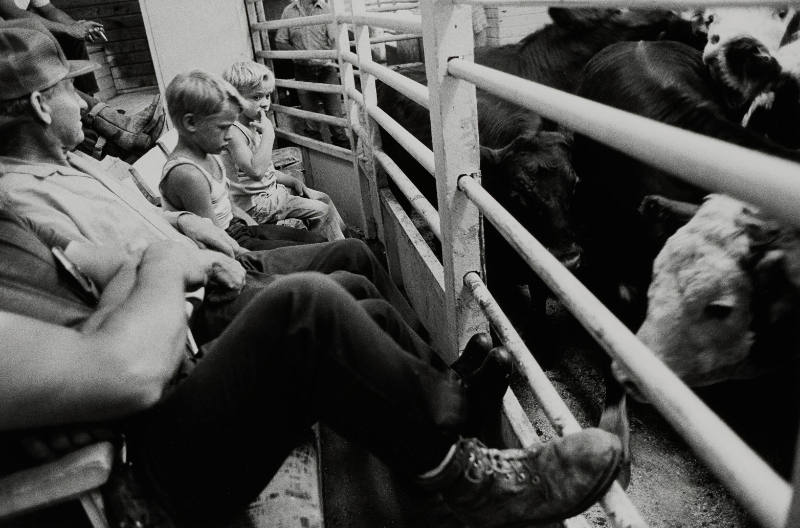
x=718, y=284
x=754, y=57
x=533, y=178
x=770, y=27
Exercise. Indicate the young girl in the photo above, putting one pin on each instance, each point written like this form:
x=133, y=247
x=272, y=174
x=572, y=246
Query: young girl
x=259, y=189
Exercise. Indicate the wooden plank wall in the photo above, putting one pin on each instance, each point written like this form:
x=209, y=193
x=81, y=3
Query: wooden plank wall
x=509, y=24
x=128, y=65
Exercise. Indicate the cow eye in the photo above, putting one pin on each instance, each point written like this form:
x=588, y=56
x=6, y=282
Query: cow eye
x=782, y=13
x=718, y=310
x=709, y=19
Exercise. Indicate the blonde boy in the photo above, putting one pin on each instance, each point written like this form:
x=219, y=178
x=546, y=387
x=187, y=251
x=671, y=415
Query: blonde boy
x=267, y=194
x=203, y=107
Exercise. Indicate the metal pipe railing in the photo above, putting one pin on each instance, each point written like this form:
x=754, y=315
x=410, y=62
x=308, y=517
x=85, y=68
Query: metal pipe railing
x=314, y=116
x=314, y=20
x=757, y=487
x=405, y=23
x=391, y=37
x=410, y=191
x=298, y=54
x=400, y=6
x=770, y=182
x=404, y=138
x=643, y=4
x=616, y=503
x=309, y=86
x=412, y=89
x=314, y=144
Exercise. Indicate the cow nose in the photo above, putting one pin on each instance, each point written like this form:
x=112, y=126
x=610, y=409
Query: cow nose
x=714, y=39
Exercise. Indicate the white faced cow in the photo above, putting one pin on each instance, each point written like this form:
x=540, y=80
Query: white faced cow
x=753, y=55
x=723, y=302
x=771, y=27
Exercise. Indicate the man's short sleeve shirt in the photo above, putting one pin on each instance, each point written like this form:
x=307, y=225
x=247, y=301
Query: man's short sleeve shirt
x=314, y=37
x=82, y=202
x=31, y=283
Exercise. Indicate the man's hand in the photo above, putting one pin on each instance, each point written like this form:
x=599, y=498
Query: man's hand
x=207, y=235
x=222, y=271
x=86, y=30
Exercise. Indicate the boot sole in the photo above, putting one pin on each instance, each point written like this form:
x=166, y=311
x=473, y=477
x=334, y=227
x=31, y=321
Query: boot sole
x=599, y=490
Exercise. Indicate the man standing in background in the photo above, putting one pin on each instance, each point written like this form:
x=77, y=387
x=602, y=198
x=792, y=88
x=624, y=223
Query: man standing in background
x=317, y=37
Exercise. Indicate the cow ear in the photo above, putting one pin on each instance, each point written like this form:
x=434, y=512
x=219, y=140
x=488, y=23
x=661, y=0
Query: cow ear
x=492, y=156
x=776, y=288
x=656, y=207
x=664, y=216
x=762, y=232
x=496, y=156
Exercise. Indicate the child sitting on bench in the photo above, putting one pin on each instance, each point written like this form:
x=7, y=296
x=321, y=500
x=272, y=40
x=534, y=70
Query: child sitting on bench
x=257, y=187
x=203, y=108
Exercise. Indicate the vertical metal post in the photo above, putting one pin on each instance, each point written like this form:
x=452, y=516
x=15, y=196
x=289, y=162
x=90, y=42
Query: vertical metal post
x=447, y=33
x=371, y=138
x=793, y=520
x=255, y=34
x=347, y=79
x=260, y=38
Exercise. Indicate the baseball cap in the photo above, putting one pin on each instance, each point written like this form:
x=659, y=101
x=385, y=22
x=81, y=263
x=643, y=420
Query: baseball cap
x=33, y=59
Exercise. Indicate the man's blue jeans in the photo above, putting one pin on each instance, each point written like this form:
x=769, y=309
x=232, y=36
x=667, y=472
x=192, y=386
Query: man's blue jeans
x=349, y=262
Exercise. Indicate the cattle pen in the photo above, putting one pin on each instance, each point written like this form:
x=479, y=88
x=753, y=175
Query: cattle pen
x=468, y=306
x=452, y=289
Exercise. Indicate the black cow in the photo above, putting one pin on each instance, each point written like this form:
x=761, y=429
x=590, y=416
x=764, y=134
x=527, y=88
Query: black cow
x=527, y=171
x=668, y=82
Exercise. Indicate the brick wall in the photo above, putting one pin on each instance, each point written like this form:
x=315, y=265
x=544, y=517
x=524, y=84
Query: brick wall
x=126, y=60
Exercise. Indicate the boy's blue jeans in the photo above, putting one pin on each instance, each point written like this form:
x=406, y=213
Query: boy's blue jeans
x=303, y=350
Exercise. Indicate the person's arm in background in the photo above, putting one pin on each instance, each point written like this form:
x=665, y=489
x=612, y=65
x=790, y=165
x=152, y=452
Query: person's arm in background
x=55, y=20
x=88, y=30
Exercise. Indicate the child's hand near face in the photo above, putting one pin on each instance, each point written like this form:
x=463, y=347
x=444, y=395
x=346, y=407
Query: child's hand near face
x=264, y=126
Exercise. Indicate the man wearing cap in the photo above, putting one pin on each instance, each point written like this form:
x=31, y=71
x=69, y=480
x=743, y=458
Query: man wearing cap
x=204, y=436
x=74, y=196
x=134, y=134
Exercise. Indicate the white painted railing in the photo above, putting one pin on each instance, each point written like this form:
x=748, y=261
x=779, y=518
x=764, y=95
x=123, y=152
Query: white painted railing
x=702, y=160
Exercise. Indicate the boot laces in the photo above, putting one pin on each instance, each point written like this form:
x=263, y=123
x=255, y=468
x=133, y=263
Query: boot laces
x=486, y=461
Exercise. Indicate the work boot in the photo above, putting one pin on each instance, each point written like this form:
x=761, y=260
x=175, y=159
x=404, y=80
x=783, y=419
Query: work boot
x=485, y=390
x=518, y=487
x=473, y=356
x=485, y=373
